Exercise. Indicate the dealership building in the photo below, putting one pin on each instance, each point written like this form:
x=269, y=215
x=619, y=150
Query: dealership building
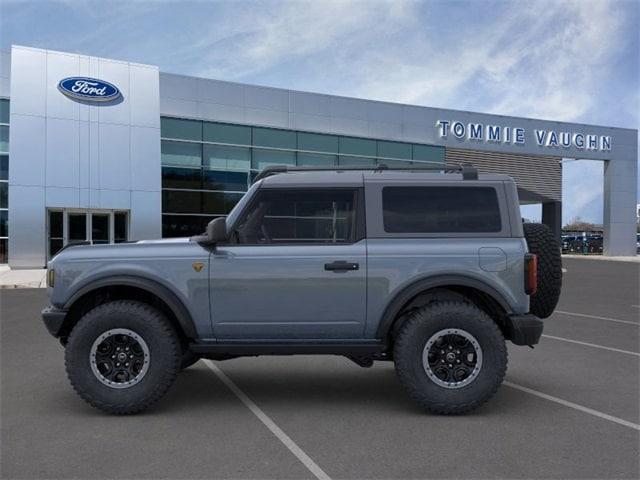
x=102, y=150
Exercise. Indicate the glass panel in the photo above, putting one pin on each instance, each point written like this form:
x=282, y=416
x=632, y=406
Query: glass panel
x=394, y=150
x=428, y=153
x=55, y=225
x=177, y=201
x=316, y=159
x=219, y=156
x=174, y=177
x=4, y=167
x=440, y=210
x=395, y=163
x=213, y=202
x=263, y=158
x=317, y=143
x=224, y=133
x=3, y=251
x=120, y=227
x=4, y=195
x=54, y=247
x=356, y=161
x=4, y=223
x=77, y=225
x=99, y=228
x=4, y=111
x=183, y=225
x=358, y=146
x=178, y=128
x=216, y=180
x=294, y=217
x=271, y=137
x=180, y=153
x=4, y=139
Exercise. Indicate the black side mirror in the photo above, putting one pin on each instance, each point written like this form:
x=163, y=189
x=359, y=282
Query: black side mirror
x=216, y=232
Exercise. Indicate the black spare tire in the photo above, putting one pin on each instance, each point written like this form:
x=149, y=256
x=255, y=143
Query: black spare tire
x=543, y=244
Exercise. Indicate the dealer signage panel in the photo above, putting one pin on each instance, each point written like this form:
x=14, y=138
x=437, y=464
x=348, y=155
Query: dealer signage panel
x=89, y=89
x=516, y=135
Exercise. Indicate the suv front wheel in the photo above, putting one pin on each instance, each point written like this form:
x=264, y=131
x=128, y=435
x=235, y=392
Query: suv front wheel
x=122, y=356
x=450, y=356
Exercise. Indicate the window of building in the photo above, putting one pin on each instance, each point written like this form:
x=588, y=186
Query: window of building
x=317, y=142
x=181, y=153
x=4, y=111
x=231, y=158
x=120, y=227
x=4, y=180
x=4, y=139
x=184, y=225
x=394, y=150
x=358, y=146
x=428, y=153
x=179, y=128
x=316, y=159
x=225, y=133
x=225, y=180
x=264, y=158
x=440, y=210
x=4, y=194
x=274, y=138
x=4, y=167
x=299, y=217
x=176, y=177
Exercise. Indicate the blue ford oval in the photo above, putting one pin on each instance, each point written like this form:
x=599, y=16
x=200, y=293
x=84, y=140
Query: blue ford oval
x=89, y=89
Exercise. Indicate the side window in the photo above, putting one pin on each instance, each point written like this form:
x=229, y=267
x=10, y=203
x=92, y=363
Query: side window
x=440, y=210
x=311, y=216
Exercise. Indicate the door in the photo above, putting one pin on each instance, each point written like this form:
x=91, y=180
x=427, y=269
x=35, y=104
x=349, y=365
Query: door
x=295, y=268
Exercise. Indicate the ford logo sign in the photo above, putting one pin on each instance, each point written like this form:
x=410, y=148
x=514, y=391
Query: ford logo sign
x=89, y=89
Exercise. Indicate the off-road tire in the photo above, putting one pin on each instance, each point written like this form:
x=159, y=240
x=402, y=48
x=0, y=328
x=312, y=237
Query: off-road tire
x=153, y=327
x=542, y=242
x=188, y=359
x=410, y=342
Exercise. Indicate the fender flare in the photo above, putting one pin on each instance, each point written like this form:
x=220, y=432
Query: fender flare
x=176, y=306
x=408, y=292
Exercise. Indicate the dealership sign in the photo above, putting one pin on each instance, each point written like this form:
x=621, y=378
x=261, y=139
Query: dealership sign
x=516, y=135
x=89, y=89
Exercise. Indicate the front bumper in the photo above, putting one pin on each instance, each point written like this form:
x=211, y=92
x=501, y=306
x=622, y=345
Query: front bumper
x=53, y=319
x=524, y=329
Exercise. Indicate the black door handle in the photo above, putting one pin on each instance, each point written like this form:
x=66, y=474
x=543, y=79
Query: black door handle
x=341, y=266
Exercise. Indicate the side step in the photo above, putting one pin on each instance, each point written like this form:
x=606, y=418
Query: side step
x=353, y=349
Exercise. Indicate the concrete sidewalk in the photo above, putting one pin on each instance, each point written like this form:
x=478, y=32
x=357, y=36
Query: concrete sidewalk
x=36, y=278
x=635, y=258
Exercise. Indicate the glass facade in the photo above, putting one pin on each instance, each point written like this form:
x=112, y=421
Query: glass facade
x=207, y=166
x=4, y=180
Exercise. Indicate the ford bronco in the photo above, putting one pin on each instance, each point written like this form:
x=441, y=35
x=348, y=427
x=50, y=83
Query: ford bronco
x=432, y=269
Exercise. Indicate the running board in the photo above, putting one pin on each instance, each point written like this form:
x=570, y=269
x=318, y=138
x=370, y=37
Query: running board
x=284, y=348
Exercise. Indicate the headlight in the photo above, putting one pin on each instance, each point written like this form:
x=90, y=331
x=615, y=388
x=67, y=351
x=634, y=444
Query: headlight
x=51, y=277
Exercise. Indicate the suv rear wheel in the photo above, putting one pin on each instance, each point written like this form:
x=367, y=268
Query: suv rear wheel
x=450, y=356
x=122, y=356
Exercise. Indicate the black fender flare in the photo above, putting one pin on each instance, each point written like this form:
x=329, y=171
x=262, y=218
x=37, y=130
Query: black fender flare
x=407, y=293
x=176, y=305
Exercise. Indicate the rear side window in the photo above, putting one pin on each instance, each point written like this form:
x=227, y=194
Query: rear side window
x=440, y=210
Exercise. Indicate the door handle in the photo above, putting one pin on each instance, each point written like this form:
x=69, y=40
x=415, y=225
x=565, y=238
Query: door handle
x=341, y=266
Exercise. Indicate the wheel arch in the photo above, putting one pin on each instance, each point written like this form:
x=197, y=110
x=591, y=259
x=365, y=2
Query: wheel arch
x=133, y=288
x=471, y=289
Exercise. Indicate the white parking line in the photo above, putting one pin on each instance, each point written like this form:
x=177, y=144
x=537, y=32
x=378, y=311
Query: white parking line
x=575, y=406
x=270, y=424
x=609, y=319
x=592, y=345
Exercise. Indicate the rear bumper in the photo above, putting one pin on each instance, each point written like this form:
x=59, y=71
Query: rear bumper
x=524, y=329
x=53, y=319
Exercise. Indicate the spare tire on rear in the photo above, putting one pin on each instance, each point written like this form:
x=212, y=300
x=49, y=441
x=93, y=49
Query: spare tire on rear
x=542, y=242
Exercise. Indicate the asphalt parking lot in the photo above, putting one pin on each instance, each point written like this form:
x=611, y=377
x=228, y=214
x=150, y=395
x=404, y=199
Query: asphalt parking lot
x=570, y=408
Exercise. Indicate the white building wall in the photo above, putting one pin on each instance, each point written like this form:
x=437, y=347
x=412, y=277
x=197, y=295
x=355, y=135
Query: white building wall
x=71, y=154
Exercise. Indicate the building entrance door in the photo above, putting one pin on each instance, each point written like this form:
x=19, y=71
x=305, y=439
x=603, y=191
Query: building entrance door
x=68, y=226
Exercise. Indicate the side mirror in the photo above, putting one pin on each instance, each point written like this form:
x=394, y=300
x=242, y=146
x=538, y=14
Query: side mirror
x=216, y=232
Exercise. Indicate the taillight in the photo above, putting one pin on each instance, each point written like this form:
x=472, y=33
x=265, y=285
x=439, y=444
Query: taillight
x=530, y=273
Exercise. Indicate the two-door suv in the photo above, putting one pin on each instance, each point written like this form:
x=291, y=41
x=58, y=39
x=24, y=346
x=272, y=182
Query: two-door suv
x=432, y=269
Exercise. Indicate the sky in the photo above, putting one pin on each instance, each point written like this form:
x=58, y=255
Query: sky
x=572, y=61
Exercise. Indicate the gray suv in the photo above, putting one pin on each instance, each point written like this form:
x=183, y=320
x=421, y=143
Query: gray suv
x=432, y=270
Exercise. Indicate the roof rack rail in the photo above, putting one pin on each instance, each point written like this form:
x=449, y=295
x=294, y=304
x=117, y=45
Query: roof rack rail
x=469, y=172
